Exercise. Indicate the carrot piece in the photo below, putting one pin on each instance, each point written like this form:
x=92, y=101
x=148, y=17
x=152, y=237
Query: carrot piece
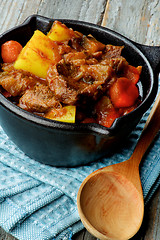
x=132, y=73
x=123, y=93
x=10, y=51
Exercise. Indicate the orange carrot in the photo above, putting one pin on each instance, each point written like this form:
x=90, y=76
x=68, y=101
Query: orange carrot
x=123, y=93
x=10, y=51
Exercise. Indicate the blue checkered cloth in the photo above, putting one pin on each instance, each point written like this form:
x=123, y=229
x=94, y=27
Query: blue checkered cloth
x=39, y=202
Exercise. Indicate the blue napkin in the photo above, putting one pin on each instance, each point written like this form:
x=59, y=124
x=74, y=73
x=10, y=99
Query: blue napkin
x=39, y=201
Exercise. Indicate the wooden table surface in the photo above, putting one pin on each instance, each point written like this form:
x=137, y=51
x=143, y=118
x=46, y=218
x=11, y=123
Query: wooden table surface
x=138, y=20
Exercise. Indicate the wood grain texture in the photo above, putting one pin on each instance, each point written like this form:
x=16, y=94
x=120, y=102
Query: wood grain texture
x=137, y=20
x=91, y=10
x=83, y=235
x=153, y=217
x=93, y=193
x=150, y=229
x=6, y=236
x=15, y=12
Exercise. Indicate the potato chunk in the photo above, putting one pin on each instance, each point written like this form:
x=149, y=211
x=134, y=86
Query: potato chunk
x=38, y=54
x=60, y=32
x=64, y=114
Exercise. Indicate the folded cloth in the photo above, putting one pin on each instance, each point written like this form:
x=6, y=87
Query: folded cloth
x=39, y=201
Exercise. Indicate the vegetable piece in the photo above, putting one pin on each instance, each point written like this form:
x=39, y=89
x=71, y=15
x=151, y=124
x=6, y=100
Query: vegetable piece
x=38, y=54
x=123, y=93
x=60, y=32
x=65, y=114
x=10, y=51
x=89, y=120
x=106, y=113
x=132, y=73
x=6, y=94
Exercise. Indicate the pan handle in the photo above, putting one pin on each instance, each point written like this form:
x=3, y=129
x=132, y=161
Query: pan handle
x=153, y=55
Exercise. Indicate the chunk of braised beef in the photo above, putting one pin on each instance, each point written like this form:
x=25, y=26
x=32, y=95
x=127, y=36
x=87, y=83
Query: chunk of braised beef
x=81, y=58
x=57, y=81
x=38, y=99
x=97, y=72
x=64, y=49
x=76, y=42
x=97, y=55
x=68, y=81
x=112, y=51
x=117, y=63
x=82, y=42
x=91, y=44
x=76, y=55
x=14, y=81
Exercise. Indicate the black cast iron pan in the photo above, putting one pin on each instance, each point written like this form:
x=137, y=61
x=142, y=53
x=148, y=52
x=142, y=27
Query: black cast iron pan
x=66, y=144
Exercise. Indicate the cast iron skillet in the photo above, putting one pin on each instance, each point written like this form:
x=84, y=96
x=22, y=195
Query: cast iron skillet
x=65, y=144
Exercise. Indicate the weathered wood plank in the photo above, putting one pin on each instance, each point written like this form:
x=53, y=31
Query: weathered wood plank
x=150, y=229
x=153, y=218
x=137, y=20
x=83, y=235
x=7, y=20
x=91, y=10
x=6, y=236
x=15, y=12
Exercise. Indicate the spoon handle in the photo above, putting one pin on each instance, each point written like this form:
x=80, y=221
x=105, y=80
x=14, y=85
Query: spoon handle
x=150, y=130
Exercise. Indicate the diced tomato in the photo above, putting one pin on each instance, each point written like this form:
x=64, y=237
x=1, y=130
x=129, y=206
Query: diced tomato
x=109, y=117
x=106, y=113
x=89, y=120
x=124, y=111
x=132, y=73
x=10, y=51
x=123, y=93
x=6, y=94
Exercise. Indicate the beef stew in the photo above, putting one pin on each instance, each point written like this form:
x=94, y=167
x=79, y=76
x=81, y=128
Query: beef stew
x=68, y=76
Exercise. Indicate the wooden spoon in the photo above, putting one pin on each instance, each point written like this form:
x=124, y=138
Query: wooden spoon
x=110, y=200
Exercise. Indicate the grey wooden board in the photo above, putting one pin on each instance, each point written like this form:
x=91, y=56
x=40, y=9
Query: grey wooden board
x=138, y=20
x=14, y=12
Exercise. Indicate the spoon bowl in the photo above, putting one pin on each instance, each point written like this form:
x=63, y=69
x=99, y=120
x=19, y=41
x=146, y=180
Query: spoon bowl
x=110, y=200
x=107, y=198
